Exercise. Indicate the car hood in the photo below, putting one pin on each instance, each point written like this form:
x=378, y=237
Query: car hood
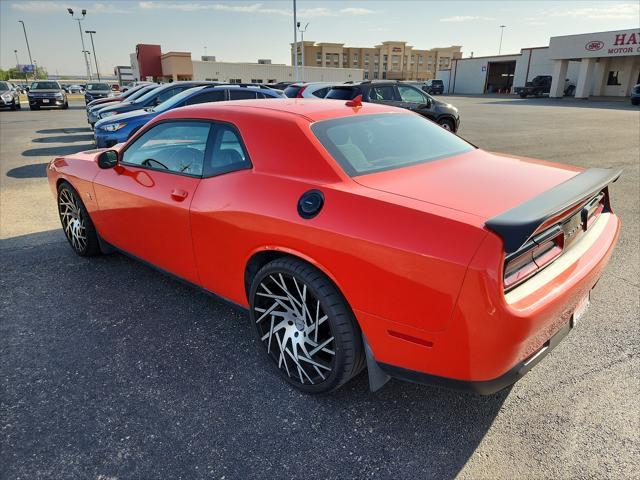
x=134, y=115
x=97, y=92
x=46, y=90
x=99, y=106
x=477, y=182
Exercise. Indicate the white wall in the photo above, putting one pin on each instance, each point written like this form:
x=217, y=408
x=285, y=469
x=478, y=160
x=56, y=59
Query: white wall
x=445, y=76
x=223, y=71
x=468, y=75
x=541, y=64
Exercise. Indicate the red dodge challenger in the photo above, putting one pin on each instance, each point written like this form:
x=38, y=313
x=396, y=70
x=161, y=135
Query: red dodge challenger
x=356, y=235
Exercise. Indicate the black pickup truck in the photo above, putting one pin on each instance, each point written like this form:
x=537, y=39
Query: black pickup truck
x=541, y=85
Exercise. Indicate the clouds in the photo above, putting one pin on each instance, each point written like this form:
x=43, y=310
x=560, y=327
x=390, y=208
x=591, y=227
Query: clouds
x=53, y=7
x=622, y=11
x=465, y=18
x=255, y=8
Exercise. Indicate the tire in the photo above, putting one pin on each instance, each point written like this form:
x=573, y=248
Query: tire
x=284, y=333
x=65, y=106
x=447, y=124
x=635, y=101
x=18, y=106
x=76, y=222
x=34, y=107
x=523, y=95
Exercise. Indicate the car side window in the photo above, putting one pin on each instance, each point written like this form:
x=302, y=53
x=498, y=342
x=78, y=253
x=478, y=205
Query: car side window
x=227, y=152
x=242, y=94
x=165, y=95
x=382, y=93
x=321, y=93
x=174, y=147
x=213, y=96
x=412, y=95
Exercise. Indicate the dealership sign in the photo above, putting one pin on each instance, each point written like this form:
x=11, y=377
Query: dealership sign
x=605, y=44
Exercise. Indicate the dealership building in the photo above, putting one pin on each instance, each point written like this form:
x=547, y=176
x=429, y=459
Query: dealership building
x=149, y=63
x=591, y=64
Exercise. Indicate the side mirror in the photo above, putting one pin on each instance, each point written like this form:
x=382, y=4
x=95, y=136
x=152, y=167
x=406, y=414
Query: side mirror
x=429, y=103
x=108, y=159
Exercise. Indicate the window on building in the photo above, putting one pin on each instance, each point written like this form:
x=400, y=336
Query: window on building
x=256, y=80
x=420, y=59
x=327, y=57
x=366, y=75
x=613, y=78
x=376, y=58
x=376, y=75
x=235, y=80
x=355, y=57
x=211, y=79
x=319, y=57
x=386, y=57
x=272, y=80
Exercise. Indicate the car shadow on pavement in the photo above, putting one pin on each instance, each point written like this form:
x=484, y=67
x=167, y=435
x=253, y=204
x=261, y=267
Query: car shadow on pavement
x=564, y=102
x=64, y=130
x=107, y=348
x=70, y=138
x=35, y=170
x=57, y=151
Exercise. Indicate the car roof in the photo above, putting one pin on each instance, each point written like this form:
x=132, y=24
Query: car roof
x=311, y=110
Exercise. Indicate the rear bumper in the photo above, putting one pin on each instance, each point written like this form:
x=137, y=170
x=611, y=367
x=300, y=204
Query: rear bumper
x=482, y=387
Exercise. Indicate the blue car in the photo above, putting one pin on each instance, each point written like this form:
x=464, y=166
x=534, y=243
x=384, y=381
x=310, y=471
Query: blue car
x=137, y=92
x=119, y=128
x=150, y=99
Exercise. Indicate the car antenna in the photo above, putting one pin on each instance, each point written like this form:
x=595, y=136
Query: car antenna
x=356, y=102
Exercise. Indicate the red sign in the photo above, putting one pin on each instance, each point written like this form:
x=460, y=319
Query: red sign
x=396, y=49
x=594, y=45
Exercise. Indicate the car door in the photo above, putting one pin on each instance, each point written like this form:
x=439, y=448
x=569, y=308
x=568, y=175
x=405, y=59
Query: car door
x=384, y=94
x=143, y=202
x=415, y=100
x=219, y=230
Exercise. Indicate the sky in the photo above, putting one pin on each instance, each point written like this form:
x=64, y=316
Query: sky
x=235, y=31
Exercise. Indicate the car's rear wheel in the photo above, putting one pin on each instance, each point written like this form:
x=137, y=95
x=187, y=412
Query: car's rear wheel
x=305, y=326
x=447, y=124
x=76, y=223
x=65, y=106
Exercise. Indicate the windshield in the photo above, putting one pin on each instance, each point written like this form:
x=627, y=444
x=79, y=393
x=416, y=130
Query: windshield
x=4, y=86
x=139, y=93
x=131, y=91
x=337, y=93
x=98, y=86
x=45, y=86
x=374, y=143
x=175, y=100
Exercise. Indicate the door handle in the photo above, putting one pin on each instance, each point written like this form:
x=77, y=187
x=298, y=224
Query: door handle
x=179, y=194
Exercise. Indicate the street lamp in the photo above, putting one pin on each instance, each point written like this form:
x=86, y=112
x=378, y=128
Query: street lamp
x=24, y=29
x=501, y=33
x=302, y=30
x=88, y=54
x=295, y=42
x=84, y=51
x=95, y=57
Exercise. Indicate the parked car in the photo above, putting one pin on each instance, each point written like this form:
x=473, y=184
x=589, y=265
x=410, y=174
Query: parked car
x=635, y=95
x=119, y=128
x=541, y=85
x=401, y=95
x=75, y=89
x=358, y=235
x=47, y=93
x=115, y=87
x=94, y=91
x=278, y=85
x=309, y=90
x=128, y=97
x=9, y=96
x=434, y=87
x=152, y=98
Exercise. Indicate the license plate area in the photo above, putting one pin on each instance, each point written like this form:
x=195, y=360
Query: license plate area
x=580, y=310
x=45, y=100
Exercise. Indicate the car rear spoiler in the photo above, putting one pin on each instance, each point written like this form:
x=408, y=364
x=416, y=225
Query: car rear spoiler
x=517, y=225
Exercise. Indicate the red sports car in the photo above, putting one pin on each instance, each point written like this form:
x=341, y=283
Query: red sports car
x=357, y=235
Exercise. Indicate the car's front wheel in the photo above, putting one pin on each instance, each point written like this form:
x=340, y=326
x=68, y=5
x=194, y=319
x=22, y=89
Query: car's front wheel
x=305, y=326
x=76, y=223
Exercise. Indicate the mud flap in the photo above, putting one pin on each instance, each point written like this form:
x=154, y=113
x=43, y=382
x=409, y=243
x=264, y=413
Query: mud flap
x=377, y=378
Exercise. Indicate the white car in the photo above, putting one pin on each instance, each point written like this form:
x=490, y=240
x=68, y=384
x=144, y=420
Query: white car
x=309, y=90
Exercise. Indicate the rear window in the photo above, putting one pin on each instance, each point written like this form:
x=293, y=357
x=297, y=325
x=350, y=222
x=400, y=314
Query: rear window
x=437, y=82
x=341, y=93
x=292, y=91
x=374, y=143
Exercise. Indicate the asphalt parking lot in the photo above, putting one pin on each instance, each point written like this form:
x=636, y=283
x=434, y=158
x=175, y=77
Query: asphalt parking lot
x=111, y=370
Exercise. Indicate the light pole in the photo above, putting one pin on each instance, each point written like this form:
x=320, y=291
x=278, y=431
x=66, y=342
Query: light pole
x=24, y=29
x=93, y=47
x=88, y=54
x=302, y=30
x=295, y=43
x=84, y=51
x=501, y=33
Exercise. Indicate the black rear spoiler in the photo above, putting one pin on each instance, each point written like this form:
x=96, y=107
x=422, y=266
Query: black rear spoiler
x=517, y=225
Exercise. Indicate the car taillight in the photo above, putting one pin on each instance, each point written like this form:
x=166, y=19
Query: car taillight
x=533, y=256
x=302, y=89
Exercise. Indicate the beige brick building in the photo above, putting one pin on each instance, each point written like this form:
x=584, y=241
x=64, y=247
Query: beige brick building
x=391, y=60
